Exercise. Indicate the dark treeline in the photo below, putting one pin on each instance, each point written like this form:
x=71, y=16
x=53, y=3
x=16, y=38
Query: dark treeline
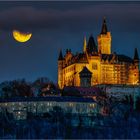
x=22, y=88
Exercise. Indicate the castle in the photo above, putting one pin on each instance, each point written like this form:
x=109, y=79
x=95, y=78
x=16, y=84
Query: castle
x=97, y=64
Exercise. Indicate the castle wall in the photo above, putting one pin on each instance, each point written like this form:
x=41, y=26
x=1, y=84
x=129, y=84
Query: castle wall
x=116, y=73
x=95, y=67
x=107, y=73
x=102, y=73
x=69, y=75
x=60, y=74
x=133, y=75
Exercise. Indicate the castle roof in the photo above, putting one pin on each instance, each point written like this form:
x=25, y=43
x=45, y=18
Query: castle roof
x=136, y=56
x=60, y=55
x=104, y=27
x=79, y=58
x=91, y=47
x=116, y=57
x=85, y=70
x=124, y=58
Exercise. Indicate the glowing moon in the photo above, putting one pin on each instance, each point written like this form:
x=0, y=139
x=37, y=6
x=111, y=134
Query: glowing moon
x=20, y=36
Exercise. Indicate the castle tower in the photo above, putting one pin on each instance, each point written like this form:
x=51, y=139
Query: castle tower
x=136, y=67
x=84, y=45
x=85, y=77
x=60, y=70
x=104, y=40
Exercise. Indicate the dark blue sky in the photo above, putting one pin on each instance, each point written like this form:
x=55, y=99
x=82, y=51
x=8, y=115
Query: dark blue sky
x=60, y=25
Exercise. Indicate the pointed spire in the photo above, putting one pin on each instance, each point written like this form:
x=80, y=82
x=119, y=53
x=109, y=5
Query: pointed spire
x=104, y=27
x=60, y=55
x=136, y=56
x=85, y=44
x=91, y=46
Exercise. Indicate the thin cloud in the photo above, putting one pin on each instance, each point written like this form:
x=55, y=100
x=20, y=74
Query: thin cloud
x=33, y=18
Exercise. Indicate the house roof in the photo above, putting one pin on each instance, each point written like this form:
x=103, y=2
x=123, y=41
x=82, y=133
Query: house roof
x=48, y=99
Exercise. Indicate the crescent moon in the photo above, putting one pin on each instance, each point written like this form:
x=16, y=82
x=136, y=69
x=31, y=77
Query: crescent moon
x=20, y=36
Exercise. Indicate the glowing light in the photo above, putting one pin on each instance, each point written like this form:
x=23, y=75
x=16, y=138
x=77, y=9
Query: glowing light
x=20, y=36
x=19, y=112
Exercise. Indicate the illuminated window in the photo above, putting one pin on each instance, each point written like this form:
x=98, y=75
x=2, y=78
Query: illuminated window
x=70, y=104
x=94, y=66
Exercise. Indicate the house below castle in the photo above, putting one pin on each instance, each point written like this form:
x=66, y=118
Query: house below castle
x=97, y=64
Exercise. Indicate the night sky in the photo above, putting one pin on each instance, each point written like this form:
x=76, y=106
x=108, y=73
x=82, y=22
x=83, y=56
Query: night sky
x=60, y=25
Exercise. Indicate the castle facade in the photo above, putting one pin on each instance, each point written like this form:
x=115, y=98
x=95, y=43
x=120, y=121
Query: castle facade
x=97, y=64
